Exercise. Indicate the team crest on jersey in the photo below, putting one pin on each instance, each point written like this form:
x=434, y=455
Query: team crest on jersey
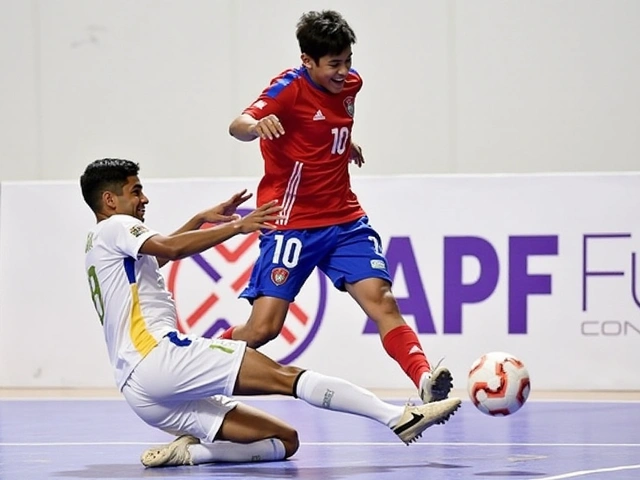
x=279, y=275
x=349, y=105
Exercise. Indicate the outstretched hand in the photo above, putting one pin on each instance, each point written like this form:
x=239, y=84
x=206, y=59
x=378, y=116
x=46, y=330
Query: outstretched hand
x=261, y=218
x=355, y=155
x=226, y=211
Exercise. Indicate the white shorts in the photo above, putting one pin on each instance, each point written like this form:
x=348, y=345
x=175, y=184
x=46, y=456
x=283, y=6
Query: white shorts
x=182, y=386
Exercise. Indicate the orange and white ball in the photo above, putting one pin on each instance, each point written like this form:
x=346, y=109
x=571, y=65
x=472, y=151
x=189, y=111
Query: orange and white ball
x=498, y=384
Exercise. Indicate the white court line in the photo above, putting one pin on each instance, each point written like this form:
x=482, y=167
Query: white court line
x=589, y=472
x=346, y=444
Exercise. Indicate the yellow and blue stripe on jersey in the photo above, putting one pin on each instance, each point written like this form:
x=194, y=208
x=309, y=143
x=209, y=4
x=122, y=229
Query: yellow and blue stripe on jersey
x=141, y=338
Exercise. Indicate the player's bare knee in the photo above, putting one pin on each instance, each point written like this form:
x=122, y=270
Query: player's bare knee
x=263, y=326
x=385, y=303
x=290, y=440
x=262, y=333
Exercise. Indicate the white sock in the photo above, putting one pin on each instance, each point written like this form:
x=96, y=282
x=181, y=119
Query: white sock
x=424, y=377
x=342, y=396
x=220, y=451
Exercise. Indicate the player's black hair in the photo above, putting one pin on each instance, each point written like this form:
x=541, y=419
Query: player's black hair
x=106, y=174
x=324, y=33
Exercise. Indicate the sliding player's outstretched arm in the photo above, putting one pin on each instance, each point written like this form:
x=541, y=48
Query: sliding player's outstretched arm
x=221, y=213
x=184, y=244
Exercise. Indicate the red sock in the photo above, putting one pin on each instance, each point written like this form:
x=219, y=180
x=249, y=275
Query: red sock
x=403, y=346
x=228, y=333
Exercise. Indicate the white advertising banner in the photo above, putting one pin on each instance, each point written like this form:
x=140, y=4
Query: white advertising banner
x=543, y=267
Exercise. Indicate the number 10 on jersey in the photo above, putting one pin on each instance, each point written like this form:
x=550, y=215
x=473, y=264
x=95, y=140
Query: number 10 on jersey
x=340, y=138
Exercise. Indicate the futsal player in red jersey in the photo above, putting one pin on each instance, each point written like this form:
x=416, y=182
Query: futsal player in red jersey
x=304, y=120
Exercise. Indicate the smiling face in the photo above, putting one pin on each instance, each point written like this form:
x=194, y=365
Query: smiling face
x=330, y=71
x=129, y=200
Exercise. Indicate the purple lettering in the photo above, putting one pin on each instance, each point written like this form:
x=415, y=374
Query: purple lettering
x=400, y=252
x=634, y=277
x=585, y=272
x=521, y=284
x=456, y=293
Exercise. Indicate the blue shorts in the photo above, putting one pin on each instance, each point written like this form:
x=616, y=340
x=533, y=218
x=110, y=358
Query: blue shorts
x=345, y=253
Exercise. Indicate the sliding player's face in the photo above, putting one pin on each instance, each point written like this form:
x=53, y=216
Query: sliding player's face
x=132, y=201
x=331, y=70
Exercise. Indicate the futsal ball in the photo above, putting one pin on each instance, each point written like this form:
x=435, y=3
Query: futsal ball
x=498, y=384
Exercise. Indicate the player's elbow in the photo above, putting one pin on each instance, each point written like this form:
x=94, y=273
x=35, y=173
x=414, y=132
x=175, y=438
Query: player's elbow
x=233, y=127
x=241, y=128
x=239, y=132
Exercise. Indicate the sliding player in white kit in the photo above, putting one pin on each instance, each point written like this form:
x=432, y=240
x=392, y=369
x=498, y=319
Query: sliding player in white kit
x=181, y=383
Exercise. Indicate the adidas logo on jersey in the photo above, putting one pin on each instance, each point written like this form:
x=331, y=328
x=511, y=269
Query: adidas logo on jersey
x=318, y=116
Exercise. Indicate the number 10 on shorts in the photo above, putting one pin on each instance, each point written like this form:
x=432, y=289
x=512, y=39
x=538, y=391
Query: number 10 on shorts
x=287, y=252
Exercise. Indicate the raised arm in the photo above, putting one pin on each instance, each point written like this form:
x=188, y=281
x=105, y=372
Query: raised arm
x=246, y=128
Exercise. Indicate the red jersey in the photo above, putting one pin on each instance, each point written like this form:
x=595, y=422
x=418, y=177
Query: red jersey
x=307, y=169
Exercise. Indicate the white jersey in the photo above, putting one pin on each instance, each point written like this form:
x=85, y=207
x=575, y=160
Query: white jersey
x=128, y=291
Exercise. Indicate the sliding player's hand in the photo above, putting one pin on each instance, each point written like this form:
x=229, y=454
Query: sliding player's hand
x=261, y=218
x=355, y=155
x=226, y=211
x=269, y=128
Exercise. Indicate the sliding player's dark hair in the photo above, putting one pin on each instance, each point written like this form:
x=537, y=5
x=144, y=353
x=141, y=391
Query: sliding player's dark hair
x=324, y=33
x=106, y=174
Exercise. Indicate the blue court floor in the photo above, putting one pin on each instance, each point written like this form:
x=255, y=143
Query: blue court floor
x=102, y=439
